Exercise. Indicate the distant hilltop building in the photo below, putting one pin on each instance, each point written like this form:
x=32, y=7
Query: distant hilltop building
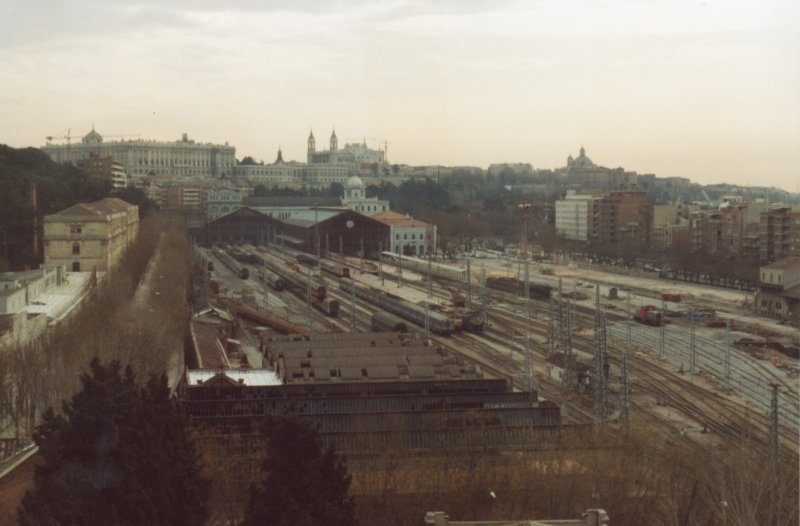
x=140, y=158
x=582, y=171
x=356, y=155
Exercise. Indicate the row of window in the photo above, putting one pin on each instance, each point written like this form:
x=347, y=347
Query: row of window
x=405, y=236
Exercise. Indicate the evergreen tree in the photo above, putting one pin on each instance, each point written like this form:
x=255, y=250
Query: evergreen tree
x=303, y=484
x=119, y=455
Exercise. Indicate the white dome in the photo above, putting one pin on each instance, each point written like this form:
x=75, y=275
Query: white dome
x=355, y=182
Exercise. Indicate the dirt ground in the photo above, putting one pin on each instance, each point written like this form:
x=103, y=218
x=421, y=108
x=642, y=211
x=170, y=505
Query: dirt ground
x=12, y=488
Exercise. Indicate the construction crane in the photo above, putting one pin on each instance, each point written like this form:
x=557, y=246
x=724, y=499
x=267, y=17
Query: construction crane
x=68, y=137
x=386, y=144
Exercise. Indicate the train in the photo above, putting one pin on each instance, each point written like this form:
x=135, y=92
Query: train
x=421, y=266
x=437, y=323
x=337, y=269
x=329, y=306
x=307, y=259
x=386, y=322
x=235, y=266
x=536, y=291
x=649, y=315
x=274, y=281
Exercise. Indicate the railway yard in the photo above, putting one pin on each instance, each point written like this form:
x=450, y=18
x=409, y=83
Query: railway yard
x=706, y=368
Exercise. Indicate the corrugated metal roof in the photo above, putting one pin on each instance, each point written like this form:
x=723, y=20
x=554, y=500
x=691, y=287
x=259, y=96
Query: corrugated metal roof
x=421, y=371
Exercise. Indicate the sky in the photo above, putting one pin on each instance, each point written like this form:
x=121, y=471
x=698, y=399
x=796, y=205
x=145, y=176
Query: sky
x=708, y=90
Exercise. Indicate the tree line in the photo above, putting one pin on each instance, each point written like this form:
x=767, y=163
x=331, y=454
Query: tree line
x=58, y=186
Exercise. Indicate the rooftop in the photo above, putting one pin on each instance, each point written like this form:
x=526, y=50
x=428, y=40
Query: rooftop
x=251, y=377
x=784, y=263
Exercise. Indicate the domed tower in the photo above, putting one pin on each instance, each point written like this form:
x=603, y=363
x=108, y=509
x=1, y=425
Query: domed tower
x=334, y=141
x=354, y=188
x=312, y=147
x=92, y=137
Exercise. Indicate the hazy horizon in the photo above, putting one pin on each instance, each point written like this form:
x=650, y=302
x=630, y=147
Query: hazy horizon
x=704, y=90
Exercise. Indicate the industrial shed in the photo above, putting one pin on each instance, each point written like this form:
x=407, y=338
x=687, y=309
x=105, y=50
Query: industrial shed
x=244, y=225
x=366, y=392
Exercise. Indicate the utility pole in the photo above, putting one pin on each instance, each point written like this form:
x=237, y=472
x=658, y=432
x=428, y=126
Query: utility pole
x=308, y=305
x=316, y=229
x=774, y=445
x=430, y=276
x=728, y=349
x=483, y=292
x=469, y=284
x=625, y=387
x=600, y=404
x=399, y=270
x=427, y=322
x=551, y=330
x=692, y=349
x=628, y=320
x=353, y=320
x=266, y=287
x=380, y=262
x=662, y=344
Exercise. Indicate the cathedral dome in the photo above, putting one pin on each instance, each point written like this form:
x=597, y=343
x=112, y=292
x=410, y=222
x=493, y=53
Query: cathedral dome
x=92, y=137
x=355, y=182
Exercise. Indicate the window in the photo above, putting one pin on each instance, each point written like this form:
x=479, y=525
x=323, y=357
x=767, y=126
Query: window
x=76, y=266
x=75, y=229
x=422, y=236
x=413, y=236
x=76, y=249
x=397, y=236
x=405, y=236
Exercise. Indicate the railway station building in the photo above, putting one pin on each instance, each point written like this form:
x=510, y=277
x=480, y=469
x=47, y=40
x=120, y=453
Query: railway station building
x=368, y=392
x=244, y=225
x=337, y=230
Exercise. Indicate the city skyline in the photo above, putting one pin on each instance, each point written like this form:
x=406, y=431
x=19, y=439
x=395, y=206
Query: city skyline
x=702, y=90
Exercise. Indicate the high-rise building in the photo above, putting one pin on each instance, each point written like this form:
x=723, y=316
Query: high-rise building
x=104, y=169
x=622, y=217
x=779, y=234
x=572, y=216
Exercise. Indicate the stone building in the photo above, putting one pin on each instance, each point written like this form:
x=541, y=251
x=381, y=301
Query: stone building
x=779, y=289
x=409, y=236
x=90, y=236
x=144, y=157
x=582, y=171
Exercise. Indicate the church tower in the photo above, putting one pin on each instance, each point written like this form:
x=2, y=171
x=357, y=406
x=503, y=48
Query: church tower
x=334, y=141
x=312, y=147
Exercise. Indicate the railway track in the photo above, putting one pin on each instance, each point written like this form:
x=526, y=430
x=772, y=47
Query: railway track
x=500, y=354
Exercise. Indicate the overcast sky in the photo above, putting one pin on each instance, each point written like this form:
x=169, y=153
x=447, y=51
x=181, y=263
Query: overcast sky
x=708, y=90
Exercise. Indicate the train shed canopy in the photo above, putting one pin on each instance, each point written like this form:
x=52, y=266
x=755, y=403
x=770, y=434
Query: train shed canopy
x=338, y=230
x=244, y=225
